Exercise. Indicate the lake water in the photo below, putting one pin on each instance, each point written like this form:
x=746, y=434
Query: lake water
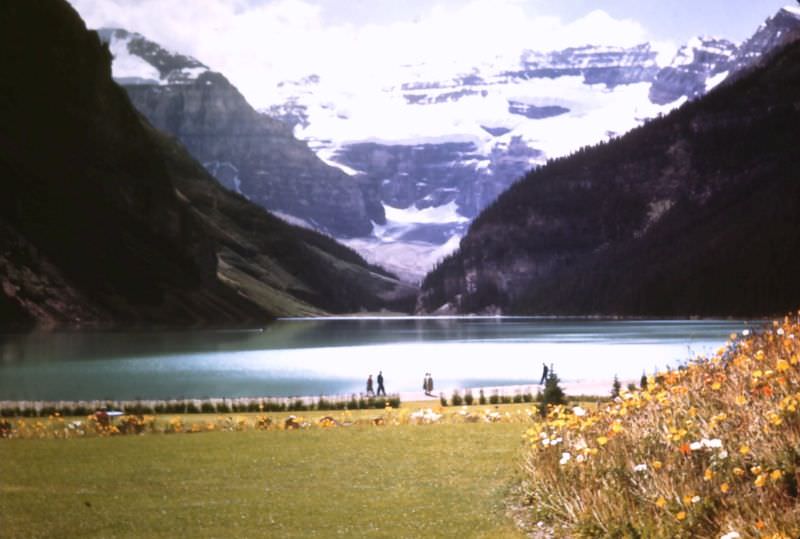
x=334, y=356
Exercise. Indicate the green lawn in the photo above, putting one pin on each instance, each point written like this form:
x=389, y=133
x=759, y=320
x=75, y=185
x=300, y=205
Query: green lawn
x=405, y=481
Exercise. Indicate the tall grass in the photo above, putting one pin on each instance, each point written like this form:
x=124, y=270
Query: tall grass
x=709, y=450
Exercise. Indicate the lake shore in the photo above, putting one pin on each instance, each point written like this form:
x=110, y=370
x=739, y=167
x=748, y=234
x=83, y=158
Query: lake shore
x=581, y=388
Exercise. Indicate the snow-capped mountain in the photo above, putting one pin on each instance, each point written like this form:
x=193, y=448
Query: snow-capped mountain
x=248, y=152
x=419, y=153
x=448, y=146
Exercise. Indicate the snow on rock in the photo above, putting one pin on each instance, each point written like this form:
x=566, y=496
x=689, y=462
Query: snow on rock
x=138, y=60
x=715, y=80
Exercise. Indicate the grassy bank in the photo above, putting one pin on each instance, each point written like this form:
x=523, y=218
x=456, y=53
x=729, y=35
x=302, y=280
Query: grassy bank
x=362, y=481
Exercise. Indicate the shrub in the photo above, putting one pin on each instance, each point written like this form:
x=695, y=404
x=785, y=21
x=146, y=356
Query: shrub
x=468, y=398
x=494, y=398
x=298, y=406
x=481, y=397
x=552, y=395
x=518, y=398
x=456, y=399
x=442, y=399
x=207, y=408
x=527, y=396
x=505, y=399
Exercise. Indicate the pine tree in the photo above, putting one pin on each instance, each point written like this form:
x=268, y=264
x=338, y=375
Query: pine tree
x=615, y=387
x=552, y=394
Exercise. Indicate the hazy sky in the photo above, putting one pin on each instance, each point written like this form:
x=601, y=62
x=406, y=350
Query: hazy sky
x=669, y=19
x=257, y=43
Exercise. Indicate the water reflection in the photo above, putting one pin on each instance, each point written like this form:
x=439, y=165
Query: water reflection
x=334, y=356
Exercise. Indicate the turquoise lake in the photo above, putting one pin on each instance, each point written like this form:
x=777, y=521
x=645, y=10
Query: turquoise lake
x=334, y=356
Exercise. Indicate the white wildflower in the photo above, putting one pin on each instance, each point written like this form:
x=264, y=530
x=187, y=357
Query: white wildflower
x=564, y=458
x=696, y=499
x=716, y=443
x=746, y=332
x=731, y=535
x=779, y=331
x=722, y=455
x=578, y=411
x=640, y=468
x=696, y=446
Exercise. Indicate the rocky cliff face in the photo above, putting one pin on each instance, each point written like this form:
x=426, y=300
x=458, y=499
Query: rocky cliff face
x=696, y=68
x=246, y=151
x=694, y=213
x=705, y=62
x=104, y=220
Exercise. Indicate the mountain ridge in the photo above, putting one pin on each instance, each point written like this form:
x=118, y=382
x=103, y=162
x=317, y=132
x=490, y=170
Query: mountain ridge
x=694, y=213
x=105, y=221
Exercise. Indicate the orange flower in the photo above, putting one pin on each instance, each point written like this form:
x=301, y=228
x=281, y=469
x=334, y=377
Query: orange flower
x=685, y=449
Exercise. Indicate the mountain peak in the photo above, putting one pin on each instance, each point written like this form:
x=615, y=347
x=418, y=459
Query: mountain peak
x=793, y=11
x=137, y=60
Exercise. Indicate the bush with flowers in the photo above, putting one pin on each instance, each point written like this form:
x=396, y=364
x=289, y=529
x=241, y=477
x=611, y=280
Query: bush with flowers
x=709, y=450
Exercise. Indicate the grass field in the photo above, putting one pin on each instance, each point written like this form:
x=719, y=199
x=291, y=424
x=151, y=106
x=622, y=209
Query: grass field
x=445, y=480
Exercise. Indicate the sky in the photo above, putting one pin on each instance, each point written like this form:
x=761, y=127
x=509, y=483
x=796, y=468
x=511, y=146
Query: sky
x=258, y=43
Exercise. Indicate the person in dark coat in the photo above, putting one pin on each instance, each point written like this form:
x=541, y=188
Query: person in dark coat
x=545, y=372
x=370, y=391
x=381, y=389
x=429, y=385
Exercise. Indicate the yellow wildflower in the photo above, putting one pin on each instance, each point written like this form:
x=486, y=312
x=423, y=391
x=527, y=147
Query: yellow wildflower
x=681, y=515
x=755, y=470
x=760, y=480
x=708, y=475
x=744, y=450
x=656, y=465
x=782, y=365
x=602, y=440
x=724, y=487
x=661, y=502
x=776, y=475
x=741, y=400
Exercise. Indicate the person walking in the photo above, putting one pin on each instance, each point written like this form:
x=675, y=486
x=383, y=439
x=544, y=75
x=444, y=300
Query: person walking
x=370, y=392
x=429, y=385
x=545, y=372
x=381, y=389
